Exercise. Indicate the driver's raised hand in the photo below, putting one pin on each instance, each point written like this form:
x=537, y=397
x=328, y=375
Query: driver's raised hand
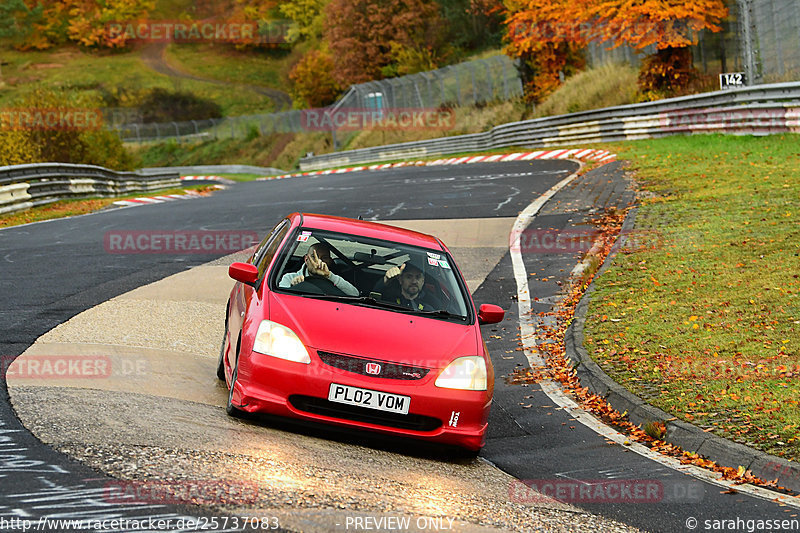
x=316, y=266
x=393, y=273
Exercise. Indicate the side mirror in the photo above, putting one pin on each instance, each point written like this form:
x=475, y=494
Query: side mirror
x=244, y=272
x=490, y=314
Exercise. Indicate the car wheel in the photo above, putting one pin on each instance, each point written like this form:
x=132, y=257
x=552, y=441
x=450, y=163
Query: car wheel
x=221, y=363
x=231, y=409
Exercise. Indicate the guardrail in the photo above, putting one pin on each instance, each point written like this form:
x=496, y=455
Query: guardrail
x=758, y=110
x=26, y=186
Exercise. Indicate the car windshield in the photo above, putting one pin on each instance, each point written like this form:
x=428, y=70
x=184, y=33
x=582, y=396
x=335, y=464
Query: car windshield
x=420, y=280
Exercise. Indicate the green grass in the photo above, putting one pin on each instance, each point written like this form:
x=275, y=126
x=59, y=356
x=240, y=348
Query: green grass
x=262, y=151
x=99, y=73
x=267, y=68
x=605, y=86
x=701, y=317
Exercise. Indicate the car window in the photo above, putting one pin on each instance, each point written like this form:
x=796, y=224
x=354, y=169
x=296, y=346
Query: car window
x=362, y=263
x=263, y=256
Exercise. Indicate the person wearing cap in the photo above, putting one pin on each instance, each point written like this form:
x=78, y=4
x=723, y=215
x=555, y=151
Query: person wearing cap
x=410, y=278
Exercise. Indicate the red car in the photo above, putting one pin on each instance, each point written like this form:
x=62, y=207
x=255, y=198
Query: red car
x=358, y=324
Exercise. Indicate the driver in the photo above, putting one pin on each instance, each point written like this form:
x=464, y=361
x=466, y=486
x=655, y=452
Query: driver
x=409, y=278
x=318, y=262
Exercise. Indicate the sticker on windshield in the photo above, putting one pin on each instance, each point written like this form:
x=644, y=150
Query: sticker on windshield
x=303, y=237
x=432, y=261
x=434, y=256
x=444, y=264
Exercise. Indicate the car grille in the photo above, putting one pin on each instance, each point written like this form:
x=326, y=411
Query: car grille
x=358, y=365
x=318, y=406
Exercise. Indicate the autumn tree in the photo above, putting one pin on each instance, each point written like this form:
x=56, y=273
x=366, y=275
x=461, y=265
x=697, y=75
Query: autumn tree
x=366, y=37
x=307, y=18
x=473, y=24
x=672, y=26
x=313, y=82
x=15, y=18
x=547, y=37
x=87, y=22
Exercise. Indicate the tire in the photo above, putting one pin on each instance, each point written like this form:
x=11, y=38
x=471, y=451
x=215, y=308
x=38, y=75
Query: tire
x=231, y=409
x=221, y=362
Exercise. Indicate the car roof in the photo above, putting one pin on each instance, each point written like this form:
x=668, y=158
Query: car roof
x=365, y=228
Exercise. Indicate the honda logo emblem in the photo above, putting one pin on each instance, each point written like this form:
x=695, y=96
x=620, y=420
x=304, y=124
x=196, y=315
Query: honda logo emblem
x=373, y=368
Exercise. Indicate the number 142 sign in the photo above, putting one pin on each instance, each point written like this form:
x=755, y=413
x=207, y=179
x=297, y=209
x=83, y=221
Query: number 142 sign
x=731, y=80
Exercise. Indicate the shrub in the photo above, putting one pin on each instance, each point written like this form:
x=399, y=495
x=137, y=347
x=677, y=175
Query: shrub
x=160, y=105
x=63, y=142
x=668, y=72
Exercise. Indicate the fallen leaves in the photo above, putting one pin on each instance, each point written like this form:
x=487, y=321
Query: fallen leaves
x=560, y=369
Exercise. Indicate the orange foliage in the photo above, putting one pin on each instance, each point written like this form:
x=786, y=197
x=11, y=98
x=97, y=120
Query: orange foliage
x=361, y=35
x=313, y=81
x=663, y=23
x=84, y=21
x=547, y=37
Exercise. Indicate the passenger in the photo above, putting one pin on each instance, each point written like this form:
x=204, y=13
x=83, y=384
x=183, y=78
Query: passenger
x=318, y=262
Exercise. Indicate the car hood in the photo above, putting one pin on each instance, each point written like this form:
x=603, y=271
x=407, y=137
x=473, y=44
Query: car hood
x=374, y=333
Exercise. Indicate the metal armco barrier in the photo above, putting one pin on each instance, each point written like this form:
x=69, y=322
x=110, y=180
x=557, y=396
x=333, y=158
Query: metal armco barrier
x=26, y=186
x=758, y=110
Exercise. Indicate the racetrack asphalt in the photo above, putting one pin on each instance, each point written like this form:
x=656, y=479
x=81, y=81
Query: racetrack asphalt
x=536, y=442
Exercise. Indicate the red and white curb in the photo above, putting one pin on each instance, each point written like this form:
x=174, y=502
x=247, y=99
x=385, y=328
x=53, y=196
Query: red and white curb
x=601, y=156
x=156, y=199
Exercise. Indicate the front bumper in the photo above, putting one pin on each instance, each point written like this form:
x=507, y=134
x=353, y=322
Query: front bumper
x=270, y=385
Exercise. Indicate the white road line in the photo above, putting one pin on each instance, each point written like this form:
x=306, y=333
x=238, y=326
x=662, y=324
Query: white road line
x=554, y=391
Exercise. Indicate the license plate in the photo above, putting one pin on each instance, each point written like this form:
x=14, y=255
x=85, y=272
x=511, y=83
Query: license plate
x=371, y=399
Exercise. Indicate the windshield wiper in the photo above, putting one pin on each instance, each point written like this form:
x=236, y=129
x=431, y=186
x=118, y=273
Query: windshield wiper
x=442, y=313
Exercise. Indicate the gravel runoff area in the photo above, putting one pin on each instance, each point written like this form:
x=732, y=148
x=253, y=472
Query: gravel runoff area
x=159, y=416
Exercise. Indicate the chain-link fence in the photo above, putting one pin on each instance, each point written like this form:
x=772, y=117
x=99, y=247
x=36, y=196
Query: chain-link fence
x=468, y=83
x=772, y=39
x=478, y=81
x=218, y=128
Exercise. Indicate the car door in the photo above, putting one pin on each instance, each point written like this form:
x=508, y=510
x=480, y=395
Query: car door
x=243, y=295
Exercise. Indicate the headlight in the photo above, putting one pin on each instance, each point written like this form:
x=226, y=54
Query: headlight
x=279, y=341
x=465, y=373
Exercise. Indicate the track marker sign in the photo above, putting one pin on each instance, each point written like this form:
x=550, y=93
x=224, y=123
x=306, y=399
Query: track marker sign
x=731, y=80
